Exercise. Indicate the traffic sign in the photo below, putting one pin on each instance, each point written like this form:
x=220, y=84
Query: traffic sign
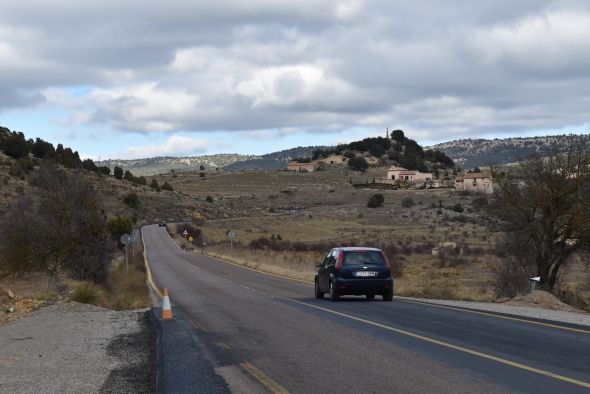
x=190, y=239
x=126, y=239
x=231, y=234
x=185, y=234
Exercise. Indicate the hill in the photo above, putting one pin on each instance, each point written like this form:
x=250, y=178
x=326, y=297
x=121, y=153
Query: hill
x=227, y=162
x=162, y=165
x=471, y=153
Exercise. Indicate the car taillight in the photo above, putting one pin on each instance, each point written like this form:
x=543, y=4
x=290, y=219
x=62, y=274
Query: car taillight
x=385, y=259
x=340, y=260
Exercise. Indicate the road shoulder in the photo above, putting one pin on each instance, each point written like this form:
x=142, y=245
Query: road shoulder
x=79, y=348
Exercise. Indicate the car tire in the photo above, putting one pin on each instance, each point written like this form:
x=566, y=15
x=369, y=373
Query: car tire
x=318, y=294
x=333, y=292
x=388, y=296
x=370, y=296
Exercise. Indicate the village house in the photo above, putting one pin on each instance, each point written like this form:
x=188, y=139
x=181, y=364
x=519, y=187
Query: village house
x=474, y=182
x=300, y=167
x=401, y=174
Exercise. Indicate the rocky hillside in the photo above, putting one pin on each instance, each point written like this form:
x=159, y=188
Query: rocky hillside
x=227, y=162
x=470, y=153
x=162, y=165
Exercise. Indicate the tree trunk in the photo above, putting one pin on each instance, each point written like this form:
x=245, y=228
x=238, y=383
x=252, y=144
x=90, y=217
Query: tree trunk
x=543, y=271
x=554, y=272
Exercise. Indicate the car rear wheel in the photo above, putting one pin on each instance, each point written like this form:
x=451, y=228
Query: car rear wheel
x=370, y=296
x=318, y=294
x=333, y=292
x=388, y=297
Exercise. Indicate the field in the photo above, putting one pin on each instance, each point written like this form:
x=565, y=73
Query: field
x=286, y=221
x=323, y=209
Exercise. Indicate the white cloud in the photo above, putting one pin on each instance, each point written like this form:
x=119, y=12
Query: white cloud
x=145, y=107
x=275, y=67
x=174, y=146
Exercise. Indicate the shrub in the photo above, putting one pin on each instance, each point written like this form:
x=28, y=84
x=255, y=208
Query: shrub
x=397, y=266
x=166, y=186
x=131, y=199
x=154, y=185
x=119, y=225
x=139, y=180
x=85, y=294
x=358, y=164
x=408, y=202
x=573, y=297
x=118, y=172
x=511, y=276
x=457, y=207
x=209, y=199
x=479, y=203
x=375, y=201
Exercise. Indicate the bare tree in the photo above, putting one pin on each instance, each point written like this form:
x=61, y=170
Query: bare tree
x=62, y=229
x=545, y=206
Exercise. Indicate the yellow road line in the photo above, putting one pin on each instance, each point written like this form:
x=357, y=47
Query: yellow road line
x=264, y=378
x=223, y=345
x=450, y=346
x=578, y=330
x=195, y=324
x=582, y=331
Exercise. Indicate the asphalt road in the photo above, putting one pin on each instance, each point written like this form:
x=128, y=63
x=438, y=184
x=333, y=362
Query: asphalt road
x=266, y=333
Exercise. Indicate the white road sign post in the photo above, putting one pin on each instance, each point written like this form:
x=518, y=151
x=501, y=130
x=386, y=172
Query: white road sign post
x=126, y=239
x=231, y=234
x=185, y=234
x=534, y=282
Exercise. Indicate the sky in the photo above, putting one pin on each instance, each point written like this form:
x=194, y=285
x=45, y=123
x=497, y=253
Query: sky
x=131, y=79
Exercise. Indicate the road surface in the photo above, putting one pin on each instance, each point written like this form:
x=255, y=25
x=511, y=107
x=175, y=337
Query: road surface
x=267, y=333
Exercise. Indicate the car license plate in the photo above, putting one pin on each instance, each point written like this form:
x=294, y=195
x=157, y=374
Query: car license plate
x=365, y=273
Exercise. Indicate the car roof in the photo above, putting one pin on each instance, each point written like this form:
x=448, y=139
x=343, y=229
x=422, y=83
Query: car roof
x=358, y=248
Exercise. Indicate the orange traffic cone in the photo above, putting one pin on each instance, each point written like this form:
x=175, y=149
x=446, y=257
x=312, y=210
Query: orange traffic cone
x=166, y=309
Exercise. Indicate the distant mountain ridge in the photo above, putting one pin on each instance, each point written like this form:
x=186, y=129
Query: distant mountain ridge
x=471, y=153
x=226, y=162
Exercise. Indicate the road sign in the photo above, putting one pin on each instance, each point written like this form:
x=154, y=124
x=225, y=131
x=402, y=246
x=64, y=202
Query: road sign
x=185, y=234
x=126, y=239
x=231, y=234
x=190, y=239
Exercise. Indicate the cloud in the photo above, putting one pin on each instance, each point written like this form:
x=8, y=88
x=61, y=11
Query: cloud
x=443, y=69
x=174, y=146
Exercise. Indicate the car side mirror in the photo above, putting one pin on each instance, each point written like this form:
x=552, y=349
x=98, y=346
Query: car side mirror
x=319, y=265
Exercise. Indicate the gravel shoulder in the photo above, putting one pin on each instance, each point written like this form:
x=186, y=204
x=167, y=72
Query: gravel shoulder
x=537, y=312
x=67, y=348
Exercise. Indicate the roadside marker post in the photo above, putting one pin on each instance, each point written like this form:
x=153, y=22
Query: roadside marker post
x=126, y=239
x=231, y=234
x=534, y=282
x=166, y=308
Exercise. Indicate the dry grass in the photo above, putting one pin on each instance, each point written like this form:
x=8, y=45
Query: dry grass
x=423, y=276
x=121, y=291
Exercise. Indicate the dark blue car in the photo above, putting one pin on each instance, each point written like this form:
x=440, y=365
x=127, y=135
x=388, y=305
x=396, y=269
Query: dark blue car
x=354, y=271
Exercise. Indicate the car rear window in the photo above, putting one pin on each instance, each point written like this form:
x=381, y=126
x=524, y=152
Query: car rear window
x=363, y=257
